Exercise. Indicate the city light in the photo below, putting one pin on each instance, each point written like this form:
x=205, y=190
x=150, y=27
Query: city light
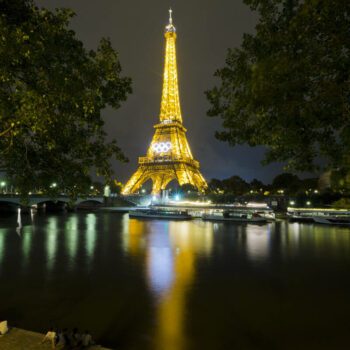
x=257, y=205
x=292, y=203
x=308, y=203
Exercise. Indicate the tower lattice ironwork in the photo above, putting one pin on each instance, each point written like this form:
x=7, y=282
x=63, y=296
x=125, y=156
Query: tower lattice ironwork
x=169, y=156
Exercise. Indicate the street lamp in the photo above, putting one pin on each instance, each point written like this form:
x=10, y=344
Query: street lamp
x=3, y=184
x=308, y=203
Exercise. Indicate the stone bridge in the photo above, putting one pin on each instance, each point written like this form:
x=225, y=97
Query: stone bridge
x=39, y=200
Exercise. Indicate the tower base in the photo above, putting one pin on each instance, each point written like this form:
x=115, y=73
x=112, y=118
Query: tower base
x=162, y=174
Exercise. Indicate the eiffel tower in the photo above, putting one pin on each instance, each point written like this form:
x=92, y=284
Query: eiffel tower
x=169, y=155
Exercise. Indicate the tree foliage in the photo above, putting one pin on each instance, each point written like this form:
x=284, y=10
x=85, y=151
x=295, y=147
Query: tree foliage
x=233, y=185
x=52, y=92
x=287, y=86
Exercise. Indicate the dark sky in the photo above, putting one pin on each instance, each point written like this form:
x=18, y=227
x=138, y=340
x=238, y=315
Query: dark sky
x=205, y=29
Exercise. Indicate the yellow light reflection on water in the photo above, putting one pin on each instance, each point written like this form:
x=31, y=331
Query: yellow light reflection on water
x=133, y=236
x=188, y=241
x=170, y=250
x=317, y=239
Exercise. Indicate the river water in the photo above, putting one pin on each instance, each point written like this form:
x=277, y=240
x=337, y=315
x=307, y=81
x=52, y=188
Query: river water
x=166, y=285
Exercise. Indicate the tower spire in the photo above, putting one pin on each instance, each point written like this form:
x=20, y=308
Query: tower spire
x=170, y=104
x=170, y=27
x=170, y=16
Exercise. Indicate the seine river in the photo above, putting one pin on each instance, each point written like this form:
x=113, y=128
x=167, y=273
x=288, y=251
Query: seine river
x=166, y=285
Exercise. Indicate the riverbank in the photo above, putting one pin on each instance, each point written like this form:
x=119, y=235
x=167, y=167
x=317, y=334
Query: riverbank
x=20, y=339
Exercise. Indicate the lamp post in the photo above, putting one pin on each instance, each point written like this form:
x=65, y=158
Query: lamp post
x=2, y=185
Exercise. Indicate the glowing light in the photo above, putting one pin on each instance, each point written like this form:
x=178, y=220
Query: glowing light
x=308, y=203
x=107, y=191
x=257, y=243
x=177, y=197
x=256, y=205
x=2, y=183
x=331, y=210
x=191, y=203
x=291, y=202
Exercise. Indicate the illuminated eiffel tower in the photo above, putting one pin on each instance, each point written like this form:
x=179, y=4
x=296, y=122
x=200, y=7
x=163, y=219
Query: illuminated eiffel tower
x=169, y=156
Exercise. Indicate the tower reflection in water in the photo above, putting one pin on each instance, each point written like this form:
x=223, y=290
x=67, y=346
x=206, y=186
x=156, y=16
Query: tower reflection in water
x=171, y=250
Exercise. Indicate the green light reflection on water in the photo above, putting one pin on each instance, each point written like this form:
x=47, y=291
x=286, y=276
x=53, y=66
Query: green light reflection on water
x=71, y=237
x=90, y=239
x=27, y=234
x=3, y=233
x=51, y=241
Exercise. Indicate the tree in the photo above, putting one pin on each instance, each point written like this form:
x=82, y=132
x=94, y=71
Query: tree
x=287, y=86
x=288, y=183
x=235, y=185
x=257, y=185
x=52, y=92
x=215, y=185
x=185, y=188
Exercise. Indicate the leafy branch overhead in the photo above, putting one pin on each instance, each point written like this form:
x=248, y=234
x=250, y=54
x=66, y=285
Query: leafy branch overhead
x=52, y=92
x=287, y=86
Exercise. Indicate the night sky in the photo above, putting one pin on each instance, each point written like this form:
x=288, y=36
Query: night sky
x=205, y=30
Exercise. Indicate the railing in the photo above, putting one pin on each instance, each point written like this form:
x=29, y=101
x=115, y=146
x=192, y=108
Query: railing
x=168, y=159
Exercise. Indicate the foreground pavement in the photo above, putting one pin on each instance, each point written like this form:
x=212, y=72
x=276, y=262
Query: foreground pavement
x=20, y=339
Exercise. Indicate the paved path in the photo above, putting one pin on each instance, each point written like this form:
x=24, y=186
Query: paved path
x=20, y=339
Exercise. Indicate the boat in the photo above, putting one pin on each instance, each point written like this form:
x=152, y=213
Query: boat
x=160, y=214
x=342, y=221
x=319, y=216
x=238, y=215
